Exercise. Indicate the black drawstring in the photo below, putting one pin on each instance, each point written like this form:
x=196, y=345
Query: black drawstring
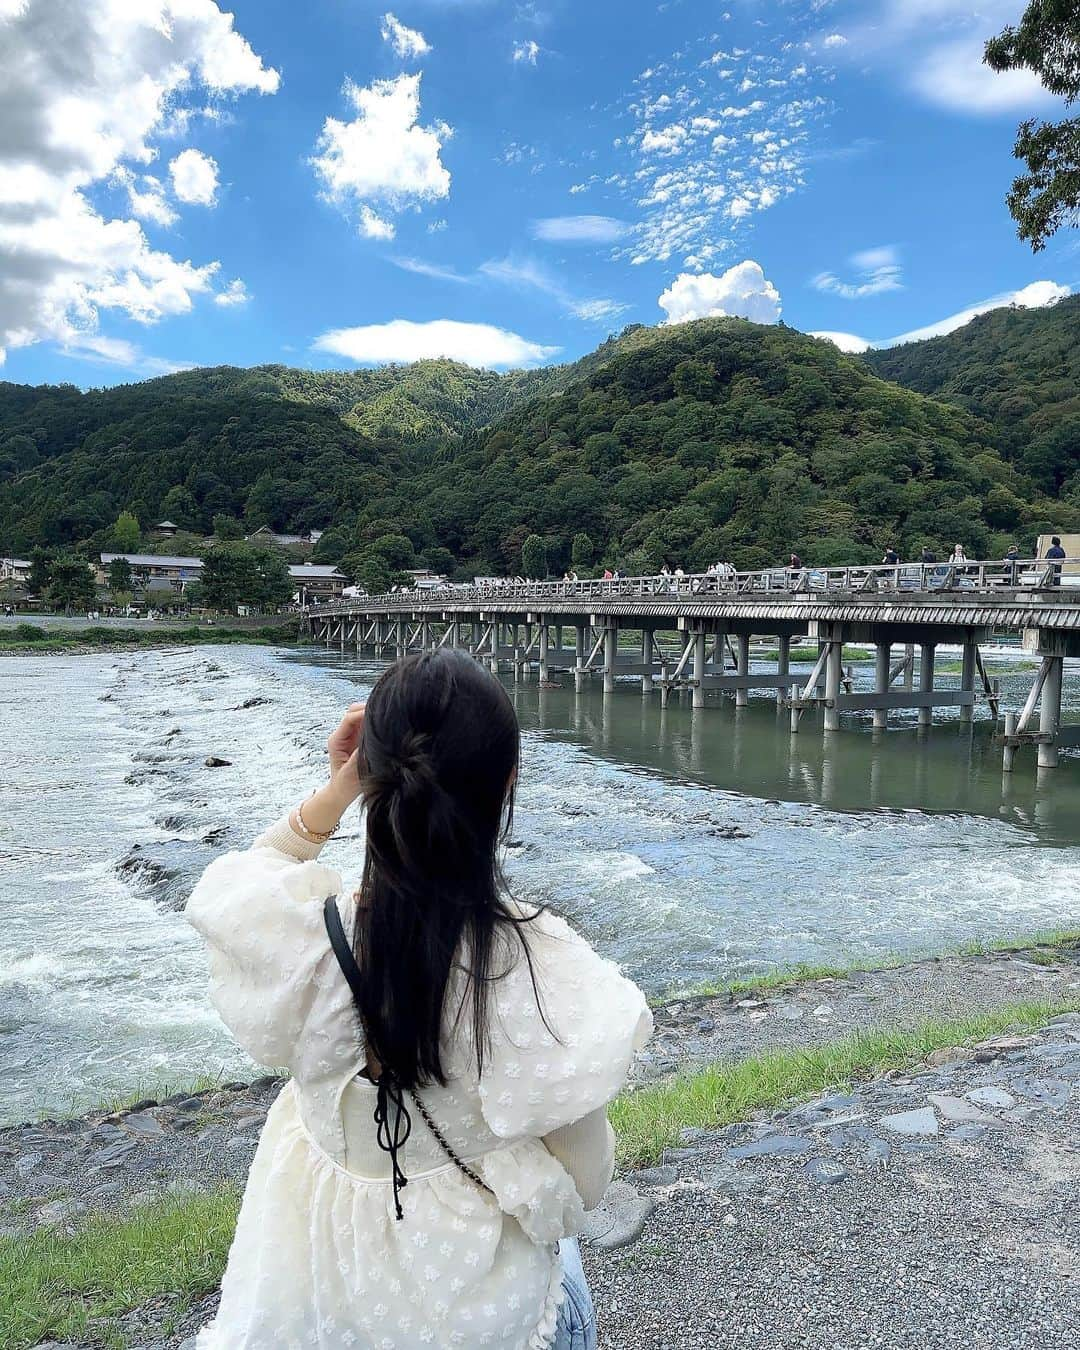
x=389, y=1137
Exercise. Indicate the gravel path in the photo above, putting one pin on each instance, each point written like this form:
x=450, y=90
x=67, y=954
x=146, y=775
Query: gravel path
x=940, y=1209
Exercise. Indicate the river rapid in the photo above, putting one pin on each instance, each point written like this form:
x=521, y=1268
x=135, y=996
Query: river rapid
x=688, y=848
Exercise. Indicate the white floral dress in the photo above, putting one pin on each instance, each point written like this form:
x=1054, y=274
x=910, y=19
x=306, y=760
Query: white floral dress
x=319, y=1258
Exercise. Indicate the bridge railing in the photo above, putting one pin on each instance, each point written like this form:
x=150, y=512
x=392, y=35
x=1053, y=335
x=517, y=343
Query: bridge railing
x=901, y=579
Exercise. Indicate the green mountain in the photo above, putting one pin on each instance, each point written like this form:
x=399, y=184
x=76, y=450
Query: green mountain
x=707, y=440
x=1016, y=369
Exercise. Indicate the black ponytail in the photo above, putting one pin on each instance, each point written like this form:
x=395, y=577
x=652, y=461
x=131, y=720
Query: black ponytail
x=438, y=762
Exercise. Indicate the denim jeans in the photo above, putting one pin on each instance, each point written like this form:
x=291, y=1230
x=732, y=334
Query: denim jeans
x=577, y=1321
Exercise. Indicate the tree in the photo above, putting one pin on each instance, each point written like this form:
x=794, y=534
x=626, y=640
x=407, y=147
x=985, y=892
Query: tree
x=41, y=560
x=1047, y=42
x=179, y=506
x=238, y=574
x=125, y=533
x=227, y=527
x=71, y=583
x=119, y=575
x=534, y=561
x=581, y=551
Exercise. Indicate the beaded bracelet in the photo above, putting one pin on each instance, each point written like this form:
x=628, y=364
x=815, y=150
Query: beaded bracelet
x=315, y=836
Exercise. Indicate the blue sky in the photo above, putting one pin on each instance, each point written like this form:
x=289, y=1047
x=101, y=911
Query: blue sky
x=334, y=183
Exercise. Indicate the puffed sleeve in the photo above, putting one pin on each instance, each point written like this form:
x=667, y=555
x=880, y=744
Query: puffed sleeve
x=552, y=1064
x=261, y=915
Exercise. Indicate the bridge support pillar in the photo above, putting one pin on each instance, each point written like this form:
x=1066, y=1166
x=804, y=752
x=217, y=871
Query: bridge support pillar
x=882, y=671
x=967, y=679
x=926, y=679
x=544, y=633
x=698, y=700
x=834, y=670
x=646, y=660
x=783, y=664
x=611, y=652
x=1050, y=714
x=1009, y=755
x=909, y=667
x=581, y=634
x=742, y=696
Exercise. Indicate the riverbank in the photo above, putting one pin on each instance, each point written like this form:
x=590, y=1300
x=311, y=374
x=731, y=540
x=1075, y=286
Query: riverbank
x=911, y=1066
x=26, y=639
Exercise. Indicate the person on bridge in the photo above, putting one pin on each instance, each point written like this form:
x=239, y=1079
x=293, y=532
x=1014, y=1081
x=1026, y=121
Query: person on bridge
x=928, y=557
x=452, y=1050
x=1055, y=551
x=891, y=557
x=1012, y=557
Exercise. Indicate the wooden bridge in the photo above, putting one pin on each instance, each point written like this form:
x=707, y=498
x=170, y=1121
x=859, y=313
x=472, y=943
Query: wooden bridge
x=696, y=633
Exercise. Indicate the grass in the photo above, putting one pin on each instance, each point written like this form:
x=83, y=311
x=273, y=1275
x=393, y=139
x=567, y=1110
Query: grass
x=31, y=637
x=1049, y=940
x=649, y=1120
x=75, y=1286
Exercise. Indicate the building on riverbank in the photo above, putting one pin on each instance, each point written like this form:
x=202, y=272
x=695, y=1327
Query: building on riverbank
x=317, y=582
x=156, y=575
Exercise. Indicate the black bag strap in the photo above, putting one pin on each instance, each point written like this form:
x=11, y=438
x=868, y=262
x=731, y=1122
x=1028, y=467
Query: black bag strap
x=388, y=1088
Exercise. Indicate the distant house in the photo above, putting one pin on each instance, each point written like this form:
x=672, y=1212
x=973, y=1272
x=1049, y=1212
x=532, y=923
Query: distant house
x=265, y=535
x=424, y=579
x=166, y=528
x=156, y=574
x=316, y=582
x=15, y=569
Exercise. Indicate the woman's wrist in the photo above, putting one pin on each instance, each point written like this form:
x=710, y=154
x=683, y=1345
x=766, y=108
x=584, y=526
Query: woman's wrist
x=319, y=816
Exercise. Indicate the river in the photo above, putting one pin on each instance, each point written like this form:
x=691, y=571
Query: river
x=687, y=847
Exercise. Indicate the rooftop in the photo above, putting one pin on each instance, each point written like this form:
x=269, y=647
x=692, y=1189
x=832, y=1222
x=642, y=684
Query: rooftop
x=151, y=560
x=313, y=571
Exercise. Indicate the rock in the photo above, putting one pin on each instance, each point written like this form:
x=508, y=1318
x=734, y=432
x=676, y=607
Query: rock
x=825, y=1171
x=58, y=1212
x=959, y=1112
x=26, y=1164
x=112, y=1155
x=1001, y=1045
x=786, y=1145
x=216, y=762
x=239, y=1141
x=1050, y=1091
x=142, y=1124
x=791, y=1012
x=990, y=1096
x=879, y=1151
x=619, y=1218
x=971, y=1133
x=49, y=1181
x=730, y=1221
x=747, y=1003
x=728, y=1180
x=953, y=1054
x=920, y=1121
x=664, y=1175
x=823, y=1010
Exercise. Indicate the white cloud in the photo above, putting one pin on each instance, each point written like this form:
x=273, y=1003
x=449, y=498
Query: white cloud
x=85, y=88
x=383, y=156
x=373, y=226
x=835, y=40
x=528, y=275
x=1036, y=295
x=406, y=42
x=742, y=290
x=235, y=293
x=937, y=45
x=477, y=344
x=146, y=196
x=194, y=177
x=578, y=229
x=847, y=342
x=526, y=52
x=879, y=269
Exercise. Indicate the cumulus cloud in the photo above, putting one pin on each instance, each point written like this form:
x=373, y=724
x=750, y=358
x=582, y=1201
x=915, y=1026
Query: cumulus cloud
x=477, y=344
x=742, y=290
x=526, y=52
x=878, y=269
x=1034, y=296
x=235, y=293
x=373, y=226
x=383, y=157
x=194, y=178
x=406, y=42
x=85, y=88
x=578, y=229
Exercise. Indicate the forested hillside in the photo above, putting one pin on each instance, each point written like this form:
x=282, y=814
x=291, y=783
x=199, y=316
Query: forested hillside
x=687, y=444
x=1019, y=369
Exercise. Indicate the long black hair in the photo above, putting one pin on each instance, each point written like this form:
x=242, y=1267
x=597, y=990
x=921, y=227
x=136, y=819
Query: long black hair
x=438, y=762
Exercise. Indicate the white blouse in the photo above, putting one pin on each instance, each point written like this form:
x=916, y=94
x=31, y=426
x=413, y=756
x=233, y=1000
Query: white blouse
x=319, y=1258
